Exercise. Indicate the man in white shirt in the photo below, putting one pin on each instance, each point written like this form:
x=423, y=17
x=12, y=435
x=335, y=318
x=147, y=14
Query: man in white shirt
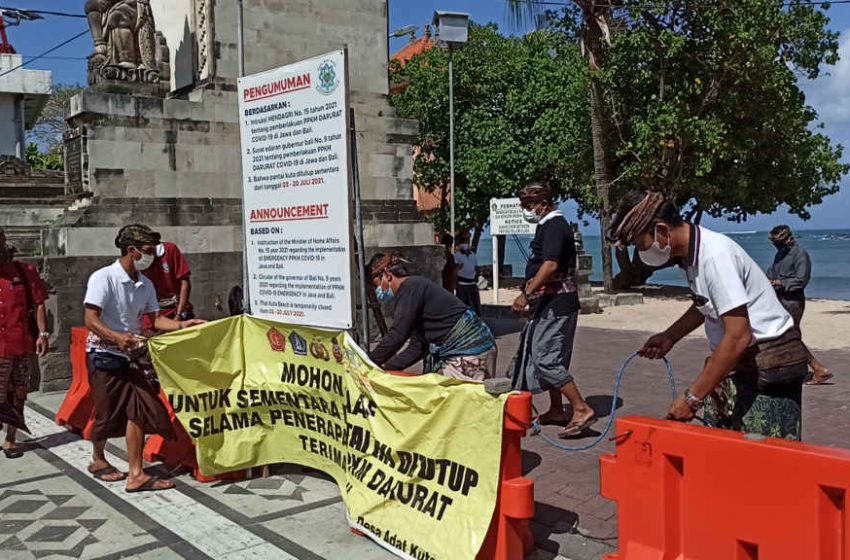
x=126, y=398
x=753, y=379
x=466, y=263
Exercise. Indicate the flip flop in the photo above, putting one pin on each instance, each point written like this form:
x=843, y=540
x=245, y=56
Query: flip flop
x=106, y=471
x=575, y=429
x=820, y=380
x=13, y=453
x=149, y=486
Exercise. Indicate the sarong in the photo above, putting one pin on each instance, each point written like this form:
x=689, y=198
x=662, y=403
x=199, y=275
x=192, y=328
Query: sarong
x=468, y=352
x=542, y=361
x=123, y=395
x=15, y=374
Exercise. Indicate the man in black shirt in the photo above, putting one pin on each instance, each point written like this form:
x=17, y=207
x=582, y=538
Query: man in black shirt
x=790, y=274
x=438, y=326
x=550, y=298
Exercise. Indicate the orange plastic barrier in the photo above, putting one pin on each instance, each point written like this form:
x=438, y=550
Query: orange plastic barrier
x=509, y=536
x=688, y=492
x=181, y=452
x=77, y=409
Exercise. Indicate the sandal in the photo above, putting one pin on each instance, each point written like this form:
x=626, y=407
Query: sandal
x=575, y=428
x=102, y=473
x=14, y=453
x=820, y=379
x=152, y=485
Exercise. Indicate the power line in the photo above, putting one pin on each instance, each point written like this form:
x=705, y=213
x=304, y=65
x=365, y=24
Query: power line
x=33, y=56
x=45, y=53
x=44, y=12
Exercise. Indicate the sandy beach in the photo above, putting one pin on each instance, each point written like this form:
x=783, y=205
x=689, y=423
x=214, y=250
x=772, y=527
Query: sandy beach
x=826, y=324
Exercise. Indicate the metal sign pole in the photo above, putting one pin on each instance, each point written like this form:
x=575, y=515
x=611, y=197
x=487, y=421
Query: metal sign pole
x=358, y=217
x=496, y=271
x=452, y=143
x=246, y=292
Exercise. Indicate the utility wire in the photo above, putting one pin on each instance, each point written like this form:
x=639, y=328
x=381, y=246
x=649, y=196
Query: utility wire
x=44, y=12
x=45, y=53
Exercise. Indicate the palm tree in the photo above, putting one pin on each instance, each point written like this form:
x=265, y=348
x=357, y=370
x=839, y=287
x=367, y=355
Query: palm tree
x=595, y=33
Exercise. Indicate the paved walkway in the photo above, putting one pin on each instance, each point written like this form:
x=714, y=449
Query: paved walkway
x=50, y=507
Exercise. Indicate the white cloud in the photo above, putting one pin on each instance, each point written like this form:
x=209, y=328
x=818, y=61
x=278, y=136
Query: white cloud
x=829, y=95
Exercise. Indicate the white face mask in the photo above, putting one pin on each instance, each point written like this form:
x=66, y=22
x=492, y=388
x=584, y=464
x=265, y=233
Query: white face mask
x=144, y=262
x=530, y=216
x=655, y=255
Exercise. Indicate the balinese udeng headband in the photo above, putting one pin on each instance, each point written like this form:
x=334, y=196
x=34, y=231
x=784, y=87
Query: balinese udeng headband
x=388, y=262
x=637, y=220
x=781, y=236
x=136, y=235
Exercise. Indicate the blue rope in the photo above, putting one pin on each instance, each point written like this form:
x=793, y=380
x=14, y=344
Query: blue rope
x=535, y=424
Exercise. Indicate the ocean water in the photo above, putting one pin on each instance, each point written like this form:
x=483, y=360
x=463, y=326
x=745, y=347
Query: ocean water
x=828, y=249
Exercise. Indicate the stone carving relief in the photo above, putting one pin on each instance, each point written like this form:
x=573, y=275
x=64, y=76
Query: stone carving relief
x=126, y=45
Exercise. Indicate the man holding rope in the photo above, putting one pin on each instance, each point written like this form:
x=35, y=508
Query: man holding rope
x=753, y=380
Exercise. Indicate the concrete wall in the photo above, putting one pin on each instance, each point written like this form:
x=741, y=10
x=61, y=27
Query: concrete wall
x=279, y=32
x=11, y=125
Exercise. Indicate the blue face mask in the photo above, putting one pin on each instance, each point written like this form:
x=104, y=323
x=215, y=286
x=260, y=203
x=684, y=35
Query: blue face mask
x=383, y=295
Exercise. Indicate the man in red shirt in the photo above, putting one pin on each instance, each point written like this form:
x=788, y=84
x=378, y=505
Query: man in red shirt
x=169, y=274
x=22, y=294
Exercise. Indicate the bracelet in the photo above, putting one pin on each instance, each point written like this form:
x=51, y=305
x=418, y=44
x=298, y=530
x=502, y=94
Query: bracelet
x=181, y=325
x=695, y=403
x=44, y=335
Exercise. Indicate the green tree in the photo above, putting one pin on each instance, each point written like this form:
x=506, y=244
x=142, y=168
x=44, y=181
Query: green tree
x=703, y=103
x=50, y=161
x=521, y=115
x=50, y=126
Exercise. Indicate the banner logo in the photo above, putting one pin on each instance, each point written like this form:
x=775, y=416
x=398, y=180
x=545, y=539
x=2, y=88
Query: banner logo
x=328, y=80
x=299, y=345
x=276, y=340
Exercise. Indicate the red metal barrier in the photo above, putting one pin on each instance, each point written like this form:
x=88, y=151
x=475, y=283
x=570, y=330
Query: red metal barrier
x=77, y=410
x=688, y=492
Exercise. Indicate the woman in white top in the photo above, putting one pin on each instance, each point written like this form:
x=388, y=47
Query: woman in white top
x=753, y=380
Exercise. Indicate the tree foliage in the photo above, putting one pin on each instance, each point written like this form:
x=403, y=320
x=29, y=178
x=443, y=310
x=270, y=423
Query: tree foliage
x=50, y=161
x=48, y=129
x=521, y=115
x=705, y=105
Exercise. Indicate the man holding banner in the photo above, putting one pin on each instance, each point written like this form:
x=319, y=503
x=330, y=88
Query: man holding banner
x=454, y=341
x=123, y=383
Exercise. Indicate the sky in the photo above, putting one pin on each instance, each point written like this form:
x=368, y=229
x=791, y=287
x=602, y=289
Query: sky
x=829, y=95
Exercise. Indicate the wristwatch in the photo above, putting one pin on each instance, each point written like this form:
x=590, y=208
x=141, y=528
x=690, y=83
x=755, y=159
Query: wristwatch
x=695, y=403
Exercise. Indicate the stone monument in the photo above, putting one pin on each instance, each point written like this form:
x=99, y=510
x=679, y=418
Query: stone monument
x=155, y=139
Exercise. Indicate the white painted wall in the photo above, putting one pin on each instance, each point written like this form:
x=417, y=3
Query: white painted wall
x=174, y=19
x=11, y=128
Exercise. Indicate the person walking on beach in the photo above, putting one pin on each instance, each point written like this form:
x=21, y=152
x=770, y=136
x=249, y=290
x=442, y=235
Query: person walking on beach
x=753, y=379
x=550, y=297
x=790, y=274
x=466, y=263
x=23, y=331
x=126, y=399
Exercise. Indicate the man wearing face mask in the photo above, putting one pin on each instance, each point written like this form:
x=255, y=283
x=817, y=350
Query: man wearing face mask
x=550, y=297
x=170, y=275
x=790, y=274
x=752, y=382
x=435, y=325
x=125, y=401
x=466, y=262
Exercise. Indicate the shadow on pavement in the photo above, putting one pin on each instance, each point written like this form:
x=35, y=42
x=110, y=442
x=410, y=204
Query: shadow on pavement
x=530, y=461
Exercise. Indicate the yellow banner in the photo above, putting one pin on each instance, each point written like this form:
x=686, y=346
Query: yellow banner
x=416, y=458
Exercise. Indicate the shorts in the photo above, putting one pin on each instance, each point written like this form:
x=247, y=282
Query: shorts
x=545, y=352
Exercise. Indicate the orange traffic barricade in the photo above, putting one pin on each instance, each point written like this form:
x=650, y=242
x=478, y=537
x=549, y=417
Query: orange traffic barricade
x=77, y=410
x=509, y=536
x=688, y=492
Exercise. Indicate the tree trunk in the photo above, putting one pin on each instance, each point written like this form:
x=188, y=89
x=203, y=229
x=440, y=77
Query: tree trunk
x=593, y=37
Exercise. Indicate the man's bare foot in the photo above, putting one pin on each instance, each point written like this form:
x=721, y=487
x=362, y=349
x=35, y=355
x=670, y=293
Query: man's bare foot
x=553, y=417
x=102, y=470
x=580, y=421
x=148, y=484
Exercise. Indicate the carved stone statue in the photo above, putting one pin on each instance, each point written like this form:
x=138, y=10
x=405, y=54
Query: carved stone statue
x=125, y=45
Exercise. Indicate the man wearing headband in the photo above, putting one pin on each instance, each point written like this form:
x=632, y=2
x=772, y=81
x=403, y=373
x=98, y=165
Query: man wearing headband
x=436, y=325
x=23, y=332
x=126, y=402
x=753, y=380
x=790, y=274
x=550, y=297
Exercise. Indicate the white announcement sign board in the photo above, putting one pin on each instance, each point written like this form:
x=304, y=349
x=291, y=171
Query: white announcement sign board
x=295, y=180
x=506, y=218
